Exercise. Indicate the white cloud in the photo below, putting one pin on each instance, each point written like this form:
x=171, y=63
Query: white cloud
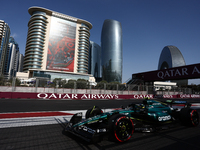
x=14, y=35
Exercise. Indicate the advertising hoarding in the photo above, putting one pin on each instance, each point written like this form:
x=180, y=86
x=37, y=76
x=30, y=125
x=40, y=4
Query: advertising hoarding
x=71, y=96
x=61, y=47
x=176, y=73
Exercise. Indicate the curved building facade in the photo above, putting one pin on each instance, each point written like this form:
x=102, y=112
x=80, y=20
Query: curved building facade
x=83, y=49
x=172, y=57
x=37, y=30
x=111, y=48
x=56, y=43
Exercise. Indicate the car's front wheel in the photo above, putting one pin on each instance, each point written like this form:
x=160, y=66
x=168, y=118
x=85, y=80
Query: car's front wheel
x=121, y=128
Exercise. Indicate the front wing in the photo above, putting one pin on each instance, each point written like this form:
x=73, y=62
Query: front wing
x=85, y=131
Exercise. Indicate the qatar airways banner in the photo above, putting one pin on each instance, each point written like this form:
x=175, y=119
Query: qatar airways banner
x=183, y=72
x=89, y=96
x=64, y=96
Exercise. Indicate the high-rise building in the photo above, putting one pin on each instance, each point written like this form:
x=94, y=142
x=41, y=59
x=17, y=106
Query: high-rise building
x=16, y=64
x=171, y=57
x=4, y=41
x=21, y=61
x=11, y=59
x=95, y=60
x=57, y=45
x=111, y=47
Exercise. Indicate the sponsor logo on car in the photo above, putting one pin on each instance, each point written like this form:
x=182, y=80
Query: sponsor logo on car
x=87, y=129
x=164, y=118
x=101, y=130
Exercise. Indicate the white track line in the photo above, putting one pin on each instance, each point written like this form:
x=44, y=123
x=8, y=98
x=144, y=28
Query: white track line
x=33, y=121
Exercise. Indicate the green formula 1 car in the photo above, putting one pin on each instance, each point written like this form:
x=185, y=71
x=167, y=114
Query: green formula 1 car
x=120, y=124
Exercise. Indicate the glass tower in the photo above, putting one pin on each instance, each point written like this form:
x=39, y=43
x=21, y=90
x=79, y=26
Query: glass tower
x=11, y=60
x=111, y=46
x=94, y=67
x=172, y=57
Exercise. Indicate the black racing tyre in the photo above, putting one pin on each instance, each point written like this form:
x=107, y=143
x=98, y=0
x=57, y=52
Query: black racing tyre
x=93, y=112
x=121, y=128
x=189, y=117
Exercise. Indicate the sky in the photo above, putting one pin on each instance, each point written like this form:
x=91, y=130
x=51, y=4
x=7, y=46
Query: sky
x=147, y=26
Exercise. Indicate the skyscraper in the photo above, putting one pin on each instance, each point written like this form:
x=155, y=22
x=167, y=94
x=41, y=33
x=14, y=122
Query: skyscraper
x=94, y=60
x=111, y=47
x=4, y=40
x=172, y=57
x=57, y=45
x=21, y=61
x=11, y=60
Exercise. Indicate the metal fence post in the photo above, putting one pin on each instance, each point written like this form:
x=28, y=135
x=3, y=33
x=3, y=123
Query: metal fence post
x=74, y=87
x=13, y=84
x=104, y=88
x=36, y=84
x=147, y=89
x=90, y=89
x=128, y=88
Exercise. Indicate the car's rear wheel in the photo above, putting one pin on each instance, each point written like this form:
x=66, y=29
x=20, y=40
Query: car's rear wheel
x=121, y=128
x=189, y=117
x=93, y=112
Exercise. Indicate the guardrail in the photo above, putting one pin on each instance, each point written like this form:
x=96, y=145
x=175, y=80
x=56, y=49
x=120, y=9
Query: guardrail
x=34, y=85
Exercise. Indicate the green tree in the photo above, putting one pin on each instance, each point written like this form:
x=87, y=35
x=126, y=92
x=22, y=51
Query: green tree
x=57, y=82
x=100, y=85
x=112, y=86
x=82, y=84
x=16, y=80
x=69, y=84
x=2, y=82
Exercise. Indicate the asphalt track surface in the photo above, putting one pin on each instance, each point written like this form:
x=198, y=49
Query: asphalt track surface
x=49, y=136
